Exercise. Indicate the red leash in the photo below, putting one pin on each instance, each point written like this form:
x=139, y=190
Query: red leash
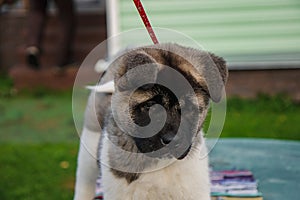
x=144, y=17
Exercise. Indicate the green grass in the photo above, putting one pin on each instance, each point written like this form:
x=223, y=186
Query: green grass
x=35, y=119
x=265, y=117
x=39, y=144
x=37, y=171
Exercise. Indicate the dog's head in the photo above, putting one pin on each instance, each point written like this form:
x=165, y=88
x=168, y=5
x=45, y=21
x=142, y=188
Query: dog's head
x=163, y=94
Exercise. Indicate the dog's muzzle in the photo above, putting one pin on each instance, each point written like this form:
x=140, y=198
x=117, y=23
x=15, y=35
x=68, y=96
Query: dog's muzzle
x=164, y=146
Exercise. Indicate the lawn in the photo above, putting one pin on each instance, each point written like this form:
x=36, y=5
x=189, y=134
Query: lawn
x=264, y=117
x=39, y=146
x=37, y=171
x=39, y=142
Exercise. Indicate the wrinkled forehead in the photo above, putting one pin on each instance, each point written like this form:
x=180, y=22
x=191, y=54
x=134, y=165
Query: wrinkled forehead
x=140, y=96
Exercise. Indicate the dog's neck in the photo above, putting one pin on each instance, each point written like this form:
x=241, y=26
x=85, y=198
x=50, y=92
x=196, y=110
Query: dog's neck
x=126, y=162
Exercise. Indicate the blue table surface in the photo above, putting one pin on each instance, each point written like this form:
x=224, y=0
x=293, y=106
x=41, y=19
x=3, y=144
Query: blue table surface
x=274, y=163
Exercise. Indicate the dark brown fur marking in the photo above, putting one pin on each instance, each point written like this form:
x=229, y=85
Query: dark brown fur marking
x=130, y=177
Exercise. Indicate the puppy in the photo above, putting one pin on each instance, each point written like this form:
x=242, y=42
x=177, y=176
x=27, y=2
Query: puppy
x=147, y=135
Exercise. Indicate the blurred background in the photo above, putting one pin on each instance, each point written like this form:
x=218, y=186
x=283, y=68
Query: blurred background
x=260, y=40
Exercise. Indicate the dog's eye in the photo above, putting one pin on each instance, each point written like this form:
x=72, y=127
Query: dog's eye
x=147, y=105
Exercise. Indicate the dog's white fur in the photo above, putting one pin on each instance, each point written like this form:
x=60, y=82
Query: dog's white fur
x=183, y=179
x=87, y=169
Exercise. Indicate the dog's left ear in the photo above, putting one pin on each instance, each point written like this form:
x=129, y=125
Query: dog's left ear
x=135, y=68
x=221, y=65
x=207, y=71
x=216, y=74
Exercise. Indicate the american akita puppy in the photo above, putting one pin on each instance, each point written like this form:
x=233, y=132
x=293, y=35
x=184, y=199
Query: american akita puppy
x=151, y=145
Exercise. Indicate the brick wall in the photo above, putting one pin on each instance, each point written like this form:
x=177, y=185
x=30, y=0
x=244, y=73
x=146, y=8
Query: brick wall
x=90, y=31
x=249, y=83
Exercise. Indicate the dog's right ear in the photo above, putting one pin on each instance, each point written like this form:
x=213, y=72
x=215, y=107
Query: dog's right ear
x=135, y=68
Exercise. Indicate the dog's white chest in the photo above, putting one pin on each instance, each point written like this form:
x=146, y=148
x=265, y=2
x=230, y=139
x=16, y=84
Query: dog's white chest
x=182, y=180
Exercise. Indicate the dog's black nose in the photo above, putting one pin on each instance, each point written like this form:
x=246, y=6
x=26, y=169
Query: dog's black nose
x=166, y=138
